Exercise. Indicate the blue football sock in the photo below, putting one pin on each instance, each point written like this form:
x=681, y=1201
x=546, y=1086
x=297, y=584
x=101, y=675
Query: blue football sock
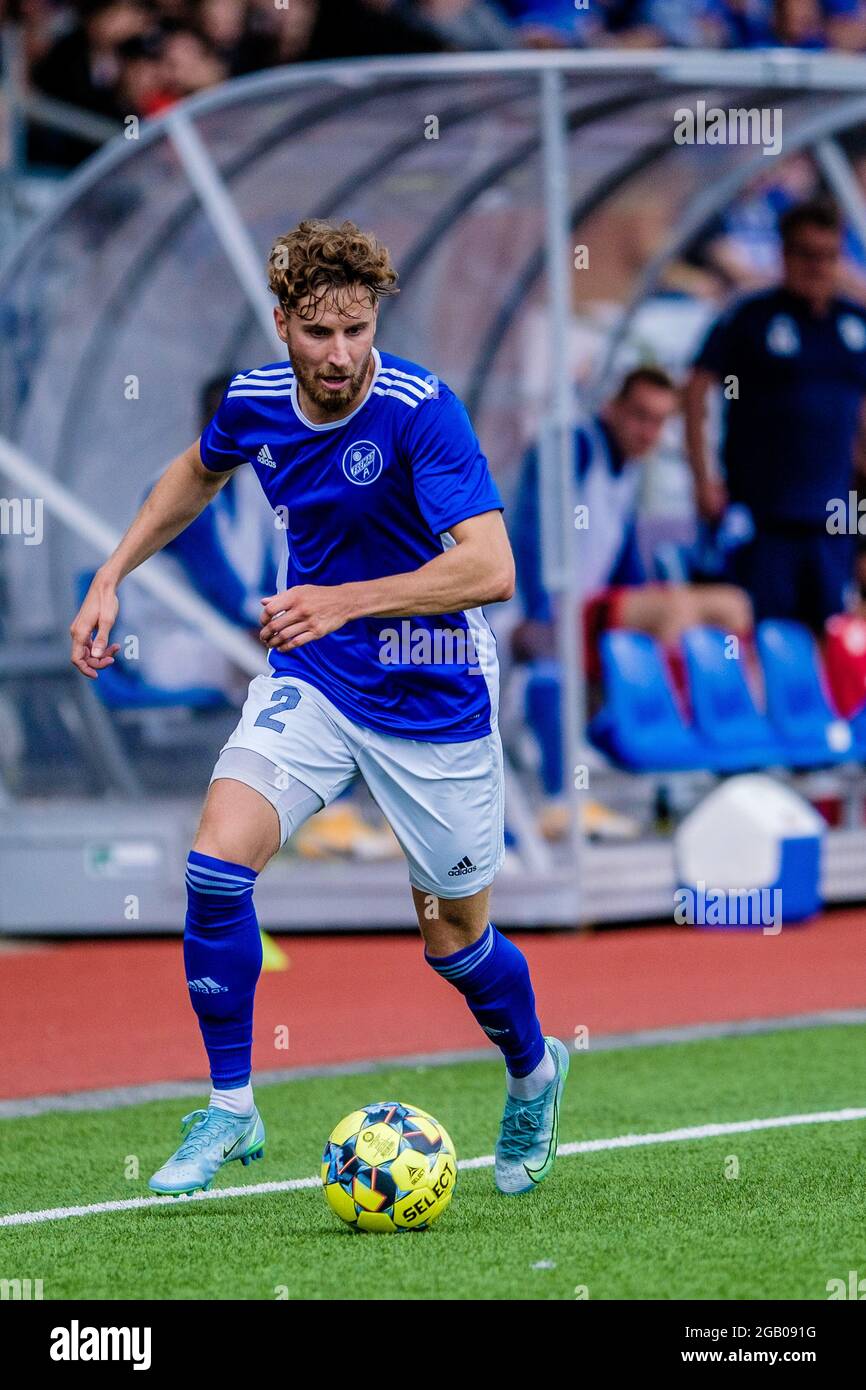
x=493, y=975
x=222, y=951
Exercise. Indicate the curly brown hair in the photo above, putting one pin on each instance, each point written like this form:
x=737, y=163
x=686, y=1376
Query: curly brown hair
x=317, y=259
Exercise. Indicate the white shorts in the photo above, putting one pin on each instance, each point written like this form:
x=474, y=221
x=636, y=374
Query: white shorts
x=444, y=801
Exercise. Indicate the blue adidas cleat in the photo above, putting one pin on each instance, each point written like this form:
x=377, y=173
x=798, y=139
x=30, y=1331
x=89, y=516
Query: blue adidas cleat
x=215, y=1137
x=526, y=1149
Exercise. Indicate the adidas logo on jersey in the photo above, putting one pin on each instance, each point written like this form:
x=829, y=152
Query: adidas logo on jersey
x=207, y=986
x=265, y=457
x=464, y=867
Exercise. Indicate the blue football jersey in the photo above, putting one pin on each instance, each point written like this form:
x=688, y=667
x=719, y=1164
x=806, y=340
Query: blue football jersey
x=370, y=495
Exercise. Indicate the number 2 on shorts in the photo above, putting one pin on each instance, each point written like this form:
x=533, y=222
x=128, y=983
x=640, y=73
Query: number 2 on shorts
x=287, y=698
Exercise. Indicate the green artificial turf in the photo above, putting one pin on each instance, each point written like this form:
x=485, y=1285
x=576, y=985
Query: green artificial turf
x=651, y=1222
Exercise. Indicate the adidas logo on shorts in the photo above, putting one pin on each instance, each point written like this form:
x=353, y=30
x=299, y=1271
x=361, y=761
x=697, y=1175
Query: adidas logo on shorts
x=464, y=867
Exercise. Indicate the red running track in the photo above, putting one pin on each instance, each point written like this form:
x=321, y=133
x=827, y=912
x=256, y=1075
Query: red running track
x=90, y=1014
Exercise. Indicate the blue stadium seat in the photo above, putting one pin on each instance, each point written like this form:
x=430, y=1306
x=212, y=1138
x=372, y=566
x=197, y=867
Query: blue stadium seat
x=797, y=703
x=640, y=727
x=121, y=687
x=735, y=735
x=858, y=729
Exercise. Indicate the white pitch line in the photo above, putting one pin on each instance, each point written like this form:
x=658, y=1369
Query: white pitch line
x=582, y=1146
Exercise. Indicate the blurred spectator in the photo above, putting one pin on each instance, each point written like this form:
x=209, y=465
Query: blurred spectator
x=290, y=30
x=467, y=24
x=43, y=22
x=555, y=23
x=793, y=23
x=145, y=87
x=370, y=28
x=793, y=362
x=84, y=68
x=685, y=23
x=818, y=23
x=228, y=27
x=609, y=451
x=191, y=63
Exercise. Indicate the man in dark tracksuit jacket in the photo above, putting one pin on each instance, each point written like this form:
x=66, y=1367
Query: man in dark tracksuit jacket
x=792, y=365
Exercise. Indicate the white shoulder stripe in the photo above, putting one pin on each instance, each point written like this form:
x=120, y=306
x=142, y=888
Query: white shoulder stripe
x=417, y=391
x=392, y=391
x=265, y=373
x=254, y=390
x=273, y=381
x=427, y=386
x=262, y=381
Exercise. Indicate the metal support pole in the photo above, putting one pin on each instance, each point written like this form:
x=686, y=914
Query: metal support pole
x=844, y=185
x=562, y=481
x=103, y=743
x=14, y=154
x=224, y=218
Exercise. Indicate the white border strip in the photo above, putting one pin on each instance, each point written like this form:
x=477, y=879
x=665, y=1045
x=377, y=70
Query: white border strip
x=583, y=1146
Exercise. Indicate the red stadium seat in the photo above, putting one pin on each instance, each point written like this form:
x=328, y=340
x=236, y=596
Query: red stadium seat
x=845, y=662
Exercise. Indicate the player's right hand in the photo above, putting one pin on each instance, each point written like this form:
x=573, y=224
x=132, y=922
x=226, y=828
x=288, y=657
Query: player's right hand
x=97, y=615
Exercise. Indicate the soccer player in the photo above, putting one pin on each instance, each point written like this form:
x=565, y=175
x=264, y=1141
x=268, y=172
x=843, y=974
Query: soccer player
x=382, y=666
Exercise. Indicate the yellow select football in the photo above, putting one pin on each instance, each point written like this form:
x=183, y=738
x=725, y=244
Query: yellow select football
x=389, y=1167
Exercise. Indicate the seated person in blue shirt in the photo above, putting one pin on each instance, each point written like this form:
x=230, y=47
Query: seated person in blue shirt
x=790, y=363
x=609, y=450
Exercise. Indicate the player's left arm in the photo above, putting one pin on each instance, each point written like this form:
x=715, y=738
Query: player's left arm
x=477, y=569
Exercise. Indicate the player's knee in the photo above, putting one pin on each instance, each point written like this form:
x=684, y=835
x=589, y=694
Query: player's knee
x=737, y=609
x=225, y=846
x=237, y=838
x=452, y=924
x=724, y=606
x=678, y=612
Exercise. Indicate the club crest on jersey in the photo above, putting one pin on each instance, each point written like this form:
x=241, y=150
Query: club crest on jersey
x=852, y=332
x=363, y=462
x=783, y=336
